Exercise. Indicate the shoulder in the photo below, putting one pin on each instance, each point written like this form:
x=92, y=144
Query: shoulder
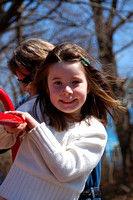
x=27, y=105
x=24, y=99
x=96, y=128
x=96, y=124
x=92, y=124
x=92, y=129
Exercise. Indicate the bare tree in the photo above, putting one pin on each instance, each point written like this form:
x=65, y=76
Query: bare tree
x=105, y=31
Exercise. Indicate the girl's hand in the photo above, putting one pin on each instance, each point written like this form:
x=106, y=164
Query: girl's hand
x=29, y=124
x=16, y=130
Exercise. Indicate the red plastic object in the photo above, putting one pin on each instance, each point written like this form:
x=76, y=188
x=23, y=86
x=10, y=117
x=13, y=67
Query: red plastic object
x=6, y=100
x=10, y=120
x=9, y=106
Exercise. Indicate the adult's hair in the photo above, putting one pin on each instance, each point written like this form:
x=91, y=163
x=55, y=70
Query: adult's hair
x=100, y=100
x=29, y=55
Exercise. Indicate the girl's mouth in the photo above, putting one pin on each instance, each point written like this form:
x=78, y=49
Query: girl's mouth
x=68, y=101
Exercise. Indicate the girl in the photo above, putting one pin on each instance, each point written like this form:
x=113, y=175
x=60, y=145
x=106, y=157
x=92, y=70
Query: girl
x=56, y=156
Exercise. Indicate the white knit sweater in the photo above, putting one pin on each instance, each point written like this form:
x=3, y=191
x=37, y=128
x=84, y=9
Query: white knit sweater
x=53, y=165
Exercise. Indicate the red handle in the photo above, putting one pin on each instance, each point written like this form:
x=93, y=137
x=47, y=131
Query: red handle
x=10, y=120
x=6, y=100
x=9, y=106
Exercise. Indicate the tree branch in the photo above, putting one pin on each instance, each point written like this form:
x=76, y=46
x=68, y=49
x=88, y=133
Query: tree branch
x=12, y=12
x=123, y=20
x=124, y=47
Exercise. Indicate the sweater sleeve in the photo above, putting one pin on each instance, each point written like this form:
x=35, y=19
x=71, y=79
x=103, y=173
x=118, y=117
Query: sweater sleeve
x=7, y=140
x=82, y=152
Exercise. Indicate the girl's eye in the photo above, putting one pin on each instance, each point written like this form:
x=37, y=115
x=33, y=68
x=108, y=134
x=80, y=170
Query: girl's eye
x=57, y=83
x=75, y=82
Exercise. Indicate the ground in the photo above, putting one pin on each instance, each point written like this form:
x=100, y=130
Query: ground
x=117, y=192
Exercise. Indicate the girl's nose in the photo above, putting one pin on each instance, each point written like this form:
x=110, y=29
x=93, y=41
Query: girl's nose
x=67, y=90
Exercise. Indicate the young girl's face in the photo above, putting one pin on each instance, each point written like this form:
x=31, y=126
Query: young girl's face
x=67, y=86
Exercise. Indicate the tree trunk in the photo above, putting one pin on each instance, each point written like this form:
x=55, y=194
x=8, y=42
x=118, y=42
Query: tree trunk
x=104, y=32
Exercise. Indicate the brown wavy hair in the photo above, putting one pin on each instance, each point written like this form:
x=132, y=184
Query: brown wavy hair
x=100, y=100
x=29, y=55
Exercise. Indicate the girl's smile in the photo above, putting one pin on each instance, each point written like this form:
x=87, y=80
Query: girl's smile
x=67, y=86
x=67, y=101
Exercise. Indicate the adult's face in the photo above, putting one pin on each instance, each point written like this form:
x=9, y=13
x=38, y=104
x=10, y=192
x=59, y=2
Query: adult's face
x=24, y=77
